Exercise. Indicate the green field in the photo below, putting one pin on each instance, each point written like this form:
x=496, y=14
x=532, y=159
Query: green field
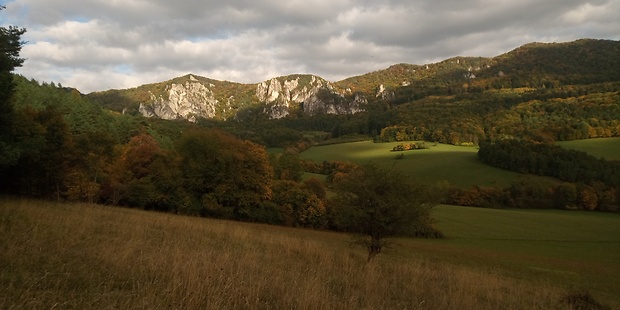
x=83, y=256
x=608, y=148
x=580, y=250
x=441, y=162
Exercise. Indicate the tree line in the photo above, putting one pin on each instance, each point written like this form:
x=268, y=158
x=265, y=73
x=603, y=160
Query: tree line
x=589, y=183
x=549, y=160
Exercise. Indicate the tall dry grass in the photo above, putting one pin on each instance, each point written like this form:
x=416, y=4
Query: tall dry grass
x=76, y=256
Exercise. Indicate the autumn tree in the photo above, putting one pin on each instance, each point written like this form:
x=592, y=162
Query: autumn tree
x=315, y=186
x=377, y=204
x=226, y=176
x=287, y=166
x=92, y=154
x=130, y=175
x=299, y=206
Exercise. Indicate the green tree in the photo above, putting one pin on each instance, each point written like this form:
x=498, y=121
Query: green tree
x=10, y=46
x=376, y=204
x=92, y=153
x=43, y=139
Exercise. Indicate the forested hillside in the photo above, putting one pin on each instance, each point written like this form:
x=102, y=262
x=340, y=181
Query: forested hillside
x=545, y=92
x=60, y=144
x=542, y=92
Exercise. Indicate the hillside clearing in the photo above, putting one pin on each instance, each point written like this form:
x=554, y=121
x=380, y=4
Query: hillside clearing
x=458, y=165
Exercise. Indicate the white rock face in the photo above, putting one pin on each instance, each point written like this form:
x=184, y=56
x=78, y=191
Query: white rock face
x=383, y=93
x=380, y=91
x=184, y=101
x=192, y=99
x=282, y=97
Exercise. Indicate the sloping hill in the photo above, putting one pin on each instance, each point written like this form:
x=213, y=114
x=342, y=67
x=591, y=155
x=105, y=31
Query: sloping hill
x=540, y=91
x=534, y=65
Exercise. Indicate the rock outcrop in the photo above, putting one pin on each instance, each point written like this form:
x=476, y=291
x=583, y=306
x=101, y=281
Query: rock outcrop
x=189, y=100
x=192, y=98
x=312, y=96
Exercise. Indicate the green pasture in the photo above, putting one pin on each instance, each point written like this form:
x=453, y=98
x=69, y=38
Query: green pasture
x=608, y=148
x=584, y=229
x=579, y=249
x=440, y=162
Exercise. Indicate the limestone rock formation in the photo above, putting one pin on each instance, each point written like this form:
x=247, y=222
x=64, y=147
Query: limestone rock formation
x=189, y=101
x=191, y=98
x=312, y=96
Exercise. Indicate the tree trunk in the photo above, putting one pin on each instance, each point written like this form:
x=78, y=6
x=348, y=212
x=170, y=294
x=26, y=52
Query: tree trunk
x=374, y=247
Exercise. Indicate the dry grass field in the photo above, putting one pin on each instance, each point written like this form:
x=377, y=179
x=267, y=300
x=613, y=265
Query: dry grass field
x=78, y=256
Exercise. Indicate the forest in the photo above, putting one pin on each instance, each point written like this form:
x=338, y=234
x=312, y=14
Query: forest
x=57, y=143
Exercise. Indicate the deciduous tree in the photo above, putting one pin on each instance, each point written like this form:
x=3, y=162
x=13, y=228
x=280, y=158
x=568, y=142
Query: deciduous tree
x=227, y=177
x=376, y=204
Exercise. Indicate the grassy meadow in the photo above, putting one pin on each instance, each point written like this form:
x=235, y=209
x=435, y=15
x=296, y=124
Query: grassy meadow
x=458, y=165
x=55, y=255
x=608, y=148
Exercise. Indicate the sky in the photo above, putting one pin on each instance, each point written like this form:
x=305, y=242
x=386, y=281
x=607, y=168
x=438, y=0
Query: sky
x=95, y=45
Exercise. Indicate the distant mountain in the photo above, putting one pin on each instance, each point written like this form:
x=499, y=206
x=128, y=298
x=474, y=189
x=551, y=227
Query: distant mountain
x=534, y=65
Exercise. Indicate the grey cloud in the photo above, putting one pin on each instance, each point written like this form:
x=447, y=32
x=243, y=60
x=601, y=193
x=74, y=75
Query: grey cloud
x=135, y=41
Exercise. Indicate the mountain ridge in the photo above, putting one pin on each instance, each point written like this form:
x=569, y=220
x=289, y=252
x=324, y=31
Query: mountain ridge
x=534, y=64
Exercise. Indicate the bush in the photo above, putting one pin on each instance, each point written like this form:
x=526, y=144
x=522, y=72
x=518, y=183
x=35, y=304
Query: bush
x=581, y=300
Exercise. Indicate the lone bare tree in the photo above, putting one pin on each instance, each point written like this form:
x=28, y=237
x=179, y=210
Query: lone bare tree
x=377, y=204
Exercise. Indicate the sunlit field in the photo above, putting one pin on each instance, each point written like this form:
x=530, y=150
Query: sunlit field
x=608, y=148
x=80, y=256
x=458, y=165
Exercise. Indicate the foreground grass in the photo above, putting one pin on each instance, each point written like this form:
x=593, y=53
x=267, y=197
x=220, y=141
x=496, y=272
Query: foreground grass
x=84, y=256
x=441, y=162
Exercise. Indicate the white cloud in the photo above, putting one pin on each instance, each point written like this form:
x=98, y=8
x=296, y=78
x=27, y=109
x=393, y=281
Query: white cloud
x=100, y=44
x=584, y=13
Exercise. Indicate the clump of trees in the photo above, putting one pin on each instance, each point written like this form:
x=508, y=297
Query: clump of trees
x=226, y=177
x=530, y=194
x=409, y=146
x=590, y=183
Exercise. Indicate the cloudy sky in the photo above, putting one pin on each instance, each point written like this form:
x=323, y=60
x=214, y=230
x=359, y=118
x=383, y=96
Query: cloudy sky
x=101, y=44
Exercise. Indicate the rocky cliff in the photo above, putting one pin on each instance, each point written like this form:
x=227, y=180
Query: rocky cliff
x=309, y=94
x=189, y=100
x=192, y=97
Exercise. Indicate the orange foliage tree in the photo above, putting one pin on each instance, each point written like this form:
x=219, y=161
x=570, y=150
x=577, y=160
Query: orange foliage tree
x=225, y=176
x=145, y=176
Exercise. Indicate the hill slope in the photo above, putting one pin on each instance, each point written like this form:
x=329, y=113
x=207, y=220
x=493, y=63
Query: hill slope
x=535, y=66
x=119, y=258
